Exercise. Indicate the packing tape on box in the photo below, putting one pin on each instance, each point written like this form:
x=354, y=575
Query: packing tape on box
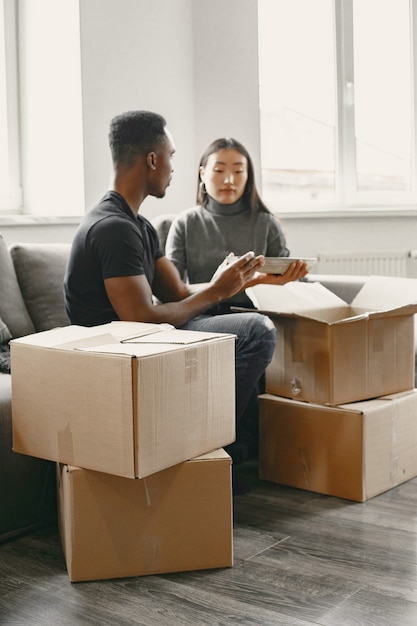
x=294, y=339
x=191, y=366
x=151, y=552
x=152, y=490
x=378, y=334
x=65, y=443
x=395, y=439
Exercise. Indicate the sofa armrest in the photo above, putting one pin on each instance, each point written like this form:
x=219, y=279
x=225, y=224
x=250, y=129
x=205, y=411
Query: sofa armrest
x=343, y=285
x=13, y=310
x=162, y=225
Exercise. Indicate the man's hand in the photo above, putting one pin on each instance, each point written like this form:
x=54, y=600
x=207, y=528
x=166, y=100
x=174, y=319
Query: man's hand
x=235, y=274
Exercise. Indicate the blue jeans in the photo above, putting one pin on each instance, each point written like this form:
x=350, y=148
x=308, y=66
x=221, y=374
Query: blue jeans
x=255, y=344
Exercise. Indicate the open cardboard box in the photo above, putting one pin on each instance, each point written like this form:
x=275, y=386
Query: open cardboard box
x=354, y=451
x=123, y=398
x=331, y=352
x=176, y=520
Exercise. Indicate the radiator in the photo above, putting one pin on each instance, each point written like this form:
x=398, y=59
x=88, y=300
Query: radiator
x=382, y=263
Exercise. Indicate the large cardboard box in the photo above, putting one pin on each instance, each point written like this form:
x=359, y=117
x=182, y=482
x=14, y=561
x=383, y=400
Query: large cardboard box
x=123, y=398
x=331, y=352
x=353, y=451
x=176, y=520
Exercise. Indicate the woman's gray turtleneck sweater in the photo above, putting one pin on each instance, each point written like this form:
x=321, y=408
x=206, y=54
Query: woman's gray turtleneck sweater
x=201, y=237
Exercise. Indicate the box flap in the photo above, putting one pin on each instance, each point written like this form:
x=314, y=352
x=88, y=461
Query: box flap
x=60, y=336
x=122, y=338
x=123, y=331
x=220, y=453
x=373, y=404
x=379, y=296
x=407, y=309
x=401, y=394
x=182, y=337
x=311, y=300
x=88, y=342
x=138, y=349
x=360, y=407
x=385, y=293
x=74, y=336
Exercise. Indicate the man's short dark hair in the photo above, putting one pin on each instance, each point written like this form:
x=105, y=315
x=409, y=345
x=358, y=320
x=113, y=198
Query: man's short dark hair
x=135, y=133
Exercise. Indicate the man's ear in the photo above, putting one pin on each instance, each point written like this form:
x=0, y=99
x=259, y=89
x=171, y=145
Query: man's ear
x=151, y=160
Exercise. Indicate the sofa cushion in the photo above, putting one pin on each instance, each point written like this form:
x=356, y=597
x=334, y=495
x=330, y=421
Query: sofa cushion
x=5, y=337
x=40, y=270
x=162, y=224
x=5, y=334
x=13, y=311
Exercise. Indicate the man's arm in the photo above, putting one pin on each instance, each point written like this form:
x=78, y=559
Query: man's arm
x=131, y=296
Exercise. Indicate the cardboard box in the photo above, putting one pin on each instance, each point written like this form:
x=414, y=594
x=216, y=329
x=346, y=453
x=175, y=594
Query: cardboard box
x=330, y=352
x=176, y=520
x=123, y=398
x=354, y=451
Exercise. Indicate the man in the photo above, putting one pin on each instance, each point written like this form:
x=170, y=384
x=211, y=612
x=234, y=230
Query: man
x=116, y=269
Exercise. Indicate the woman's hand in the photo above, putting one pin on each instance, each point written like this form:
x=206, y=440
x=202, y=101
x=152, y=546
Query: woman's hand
x=295, y=271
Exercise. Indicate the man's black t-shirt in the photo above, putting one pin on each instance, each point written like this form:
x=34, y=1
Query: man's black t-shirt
x=109, y=242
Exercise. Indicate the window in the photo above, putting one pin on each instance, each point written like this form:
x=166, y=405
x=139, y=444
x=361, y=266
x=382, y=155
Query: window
x=337, y=103
x=10, y=196
x=45, y=64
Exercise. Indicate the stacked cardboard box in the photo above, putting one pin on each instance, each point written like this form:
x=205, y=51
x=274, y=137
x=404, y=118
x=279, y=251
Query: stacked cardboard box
x=176, y=520
x=132, y=413
x=340, y=413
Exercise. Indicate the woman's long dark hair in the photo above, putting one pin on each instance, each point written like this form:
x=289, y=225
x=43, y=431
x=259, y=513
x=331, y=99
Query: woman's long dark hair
x=251, y=192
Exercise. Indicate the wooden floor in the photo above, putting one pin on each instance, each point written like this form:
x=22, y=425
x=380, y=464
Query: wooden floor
x=300, y=559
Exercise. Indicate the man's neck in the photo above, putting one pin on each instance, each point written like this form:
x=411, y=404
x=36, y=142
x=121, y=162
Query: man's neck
x=133, y=195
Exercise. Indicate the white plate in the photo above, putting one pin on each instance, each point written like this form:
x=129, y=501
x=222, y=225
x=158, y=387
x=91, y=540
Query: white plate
x=279, y=264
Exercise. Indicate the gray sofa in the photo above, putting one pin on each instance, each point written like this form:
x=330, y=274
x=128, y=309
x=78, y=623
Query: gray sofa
x=31, y=288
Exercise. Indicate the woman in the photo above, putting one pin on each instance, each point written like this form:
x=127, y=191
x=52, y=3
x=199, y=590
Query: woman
x=230, y=217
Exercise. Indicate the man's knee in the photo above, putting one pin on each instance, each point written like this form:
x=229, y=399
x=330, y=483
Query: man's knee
x=259, y=335
x=265, y=335
x=264, y=327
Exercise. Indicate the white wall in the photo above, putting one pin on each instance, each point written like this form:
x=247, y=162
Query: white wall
x=359, y=231
x=195, y=61
x=137, y=54
x=226, y=101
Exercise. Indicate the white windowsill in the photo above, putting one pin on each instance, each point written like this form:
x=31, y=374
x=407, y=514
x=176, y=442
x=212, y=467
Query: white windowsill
x=353, y=213
x=36, y=220
x=16, y=220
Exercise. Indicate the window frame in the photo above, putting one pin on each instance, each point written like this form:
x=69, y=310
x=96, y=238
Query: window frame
x=11, y=202
x=347, y=196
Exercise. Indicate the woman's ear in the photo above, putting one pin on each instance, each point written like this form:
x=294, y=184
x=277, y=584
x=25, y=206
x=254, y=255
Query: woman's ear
x=201, y=171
